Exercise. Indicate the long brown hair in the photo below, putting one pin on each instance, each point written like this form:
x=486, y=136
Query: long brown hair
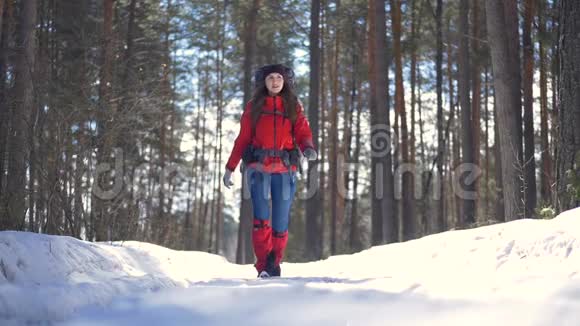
x=289, y=100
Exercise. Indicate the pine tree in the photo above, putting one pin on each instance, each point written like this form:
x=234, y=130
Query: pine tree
x=502, y=32
x=18, y=144
x=568, y=178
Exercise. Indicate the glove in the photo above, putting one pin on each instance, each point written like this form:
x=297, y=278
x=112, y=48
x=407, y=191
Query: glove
x=310, y=154
x=228, y=179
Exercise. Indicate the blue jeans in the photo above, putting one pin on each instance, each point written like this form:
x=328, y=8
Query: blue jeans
x=280, y=187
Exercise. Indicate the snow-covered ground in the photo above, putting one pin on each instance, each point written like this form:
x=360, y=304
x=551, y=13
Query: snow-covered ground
x=525, y=272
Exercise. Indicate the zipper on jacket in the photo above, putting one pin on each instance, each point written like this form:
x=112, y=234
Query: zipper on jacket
x=275, y=112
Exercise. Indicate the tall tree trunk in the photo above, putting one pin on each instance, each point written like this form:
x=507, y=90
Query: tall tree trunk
x=410, y=225
x=499, y=202
x=486, y=168
x=356, y=240
x=244, y=252
x=127, y=82
x=507, y=79
x=21, y=124
x=333, y=156
x=485, y=63
x=546, y=174
x=325, y=233
x=528, y=83
x=555, y=83
x=511, y=18
x=45, y=142
x=347, y=138
x=376, y=218
x=105, y=113
x=82, y=144
x=426, y=221
x=456, y=130
x=420, y=111
x=2, y=6
x=476, y=98
x=384, y=222
x=4, y=108
x=413, y=77
x=190, y=231
x=130, y=43
x=202, y=213
x=345, y=146
x=468, y=188
x=314, y=203
x=220, y=98
x=439, y=223
x=165, y=132
x=51, y=223
x=568, y=161
x=186, y=237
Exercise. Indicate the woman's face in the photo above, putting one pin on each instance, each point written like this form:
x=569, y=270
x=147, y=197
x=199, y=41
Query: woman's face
x=274, y=83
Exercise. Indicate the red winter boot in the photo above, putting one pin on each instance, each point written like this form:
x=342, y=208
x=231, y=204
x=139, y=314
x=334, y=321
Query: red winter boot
x=262, y=241
x=279, y=241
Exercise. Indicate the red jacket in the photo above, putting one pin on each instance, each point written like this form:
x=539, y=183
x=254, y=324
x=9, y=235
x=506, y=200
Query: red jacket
x=272, y=131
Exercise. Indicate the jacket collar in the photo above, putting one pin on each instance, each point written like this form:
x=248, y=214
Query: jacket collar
x=270, y=100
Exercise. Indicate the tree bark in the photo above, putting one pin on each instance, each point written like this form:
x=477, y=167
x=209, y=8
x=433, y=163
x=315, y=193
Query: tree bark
x=420, y=111
x=325, y=227
x=165, y=132
x=4, y=108
x=2, y=5
x=457, y=129
x=21, y=124
x=313, y=203
x=376, y=218
x=410, y=225
x=220, y=247
x=499, y=202
x=356, y=240
x=506, y=75
x=202, y=205
x=439, y=224
x=486, y=168
x=192, y=219
x=101, y=220
x=384, y=222
x=568, y=161
x=468, y=188
x=476, y=98
x=547, y=174
x=528, y=83
x=244, y=252
x=354, y=91
x=413, y=79
x=333, y=155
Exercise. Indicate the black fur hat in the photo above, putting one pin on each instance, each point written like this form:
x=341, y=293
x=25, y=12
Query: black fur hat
x=286, y=72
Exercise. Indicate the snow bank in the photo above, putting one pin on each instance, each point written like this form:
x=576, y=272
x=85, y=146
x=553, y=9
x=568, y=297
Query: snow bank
x=489, y=260
x=525, y=272
x=46, y=277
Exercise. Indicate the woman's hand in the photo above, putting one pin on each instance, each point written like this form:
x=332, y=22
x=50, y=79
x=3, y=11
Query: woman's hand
x=228, y=179
x=310, y=154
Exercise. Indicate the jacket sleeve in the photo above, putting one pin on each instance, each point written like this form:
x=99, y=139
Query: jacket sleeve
x=243, y=140
x=302, y=131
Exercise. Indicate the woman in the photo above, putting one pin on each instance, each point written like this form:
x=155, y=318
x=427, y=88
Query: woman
x=273, y=135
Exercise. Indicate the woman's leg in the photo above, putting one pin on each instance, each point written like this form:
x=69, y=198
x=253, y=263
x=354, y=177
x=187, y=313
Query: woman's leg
x=261, y=232
x=283, y=190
